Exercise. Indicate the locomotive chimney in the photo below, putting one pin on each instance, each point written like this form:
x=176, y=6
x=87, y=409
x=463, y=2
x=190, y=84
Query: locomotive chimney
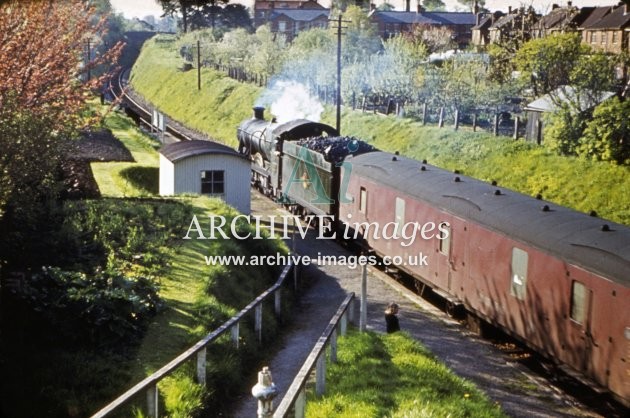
x=259, y=112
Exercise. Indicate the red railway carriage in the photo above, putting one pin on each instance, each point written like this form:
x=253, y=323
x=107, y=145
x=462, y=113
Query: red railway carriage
x=554, y=278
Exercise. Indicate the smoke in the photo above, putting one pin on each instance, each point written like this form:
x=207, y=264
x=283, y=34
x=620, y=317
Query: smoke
x=289, y=100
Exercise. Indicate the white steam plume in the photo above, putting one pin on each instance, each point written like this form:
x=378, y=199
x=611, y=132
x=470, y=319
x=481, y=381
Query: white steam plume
x=290, y=100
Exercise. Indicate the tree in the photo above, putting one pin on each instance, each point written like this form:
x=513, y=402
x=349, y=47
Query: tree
x=434, y=5
x=607, y=135
x=42, y=58
x=185, y=7
x=470, y=4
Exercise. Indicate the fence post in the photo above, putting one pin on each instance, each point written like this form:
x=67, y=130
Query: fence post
x=152, y=401
x=258, y=324
x=495, y=129
x=320, y=374
x=234, y=331
x=333, y=346
x=424, y=113
x=201, y=366
x=456, y=126
x=474, y=122
x=277, y=302
x=363, y=311
x=363, y=105
x=441, y=119
x=516, y=125
x=343, y=326
x=300, y=403
x=351, y=311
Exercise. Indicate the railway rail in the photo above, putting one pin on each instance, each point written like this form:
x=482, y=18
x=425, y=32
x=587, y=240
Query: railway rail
x=178, y=134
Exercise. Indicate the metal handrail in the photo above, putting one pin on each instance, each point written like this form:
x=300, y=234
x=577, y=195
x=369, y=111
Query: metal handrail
x=316, y=359
x=150, y=382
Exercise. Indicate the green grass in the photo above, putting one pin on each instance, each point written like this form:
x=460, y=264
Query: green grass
x=129, y=179
x=222, y=103
x=391, y=375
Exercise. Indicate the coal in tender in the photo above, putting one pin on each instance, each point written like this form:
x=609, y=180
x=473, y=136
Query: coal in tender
x=336, y=148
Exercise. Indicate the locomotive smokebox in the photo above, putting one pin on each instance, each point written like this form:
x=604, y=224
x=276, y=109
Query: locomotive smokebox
x=259, y=112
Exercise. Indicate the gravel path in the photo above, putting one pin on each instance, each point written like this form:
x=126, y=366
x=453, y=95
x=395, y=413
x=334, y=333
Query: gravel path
x=509, y=384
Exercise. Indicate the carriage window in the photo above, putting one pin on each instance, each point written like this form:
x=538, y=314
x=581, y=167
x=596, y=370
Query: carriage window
x=444, y=245
x=518, y=286
x=363, y=200
x=212, y=182
x=579, y=302
x=400, y=214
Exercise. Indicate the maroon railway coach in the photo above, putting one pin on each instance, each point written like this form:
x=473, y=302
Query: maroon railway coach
x=554, y=278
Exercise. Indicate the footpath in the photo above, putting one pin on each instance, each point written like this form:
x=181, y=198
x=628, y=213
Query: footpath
x=519, y=393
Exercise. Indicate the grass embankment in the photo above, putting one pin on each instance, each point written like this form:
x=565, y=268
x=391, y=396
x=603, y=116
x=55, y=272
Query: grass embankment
x=73, y=350
x=223, y=103
x=392, y=375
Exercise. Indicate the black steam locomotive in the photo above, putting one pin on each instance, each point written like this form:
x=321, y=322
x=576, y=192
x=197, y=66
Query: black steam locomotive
x=556, y=279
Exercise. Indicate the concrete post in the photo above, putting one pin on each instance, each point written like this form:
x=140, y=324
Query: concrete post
x=363, y=309
x=265, y=391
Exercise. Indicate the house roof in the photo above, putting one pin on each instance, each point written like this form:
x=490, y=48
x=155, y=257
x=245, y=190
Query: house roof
x=618, y=18
x=595, y=16
x=558, y=17
x=430, y=18
x=300, y=15
x=180, y=150
x=546, y=103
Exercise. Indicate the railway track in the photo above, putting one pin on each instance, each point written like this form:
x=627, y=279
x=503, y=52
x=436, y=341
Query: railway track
x=571, y=390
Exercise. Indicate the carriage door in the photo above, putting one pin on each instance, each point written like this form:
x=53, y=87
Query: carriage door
x=581, y=312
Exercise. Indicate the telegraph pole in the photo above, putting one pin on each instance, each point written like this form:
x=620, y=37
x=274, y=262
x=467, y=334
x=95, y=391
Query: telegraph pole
x=88, y=55
x=198, y=65
x=338, y=99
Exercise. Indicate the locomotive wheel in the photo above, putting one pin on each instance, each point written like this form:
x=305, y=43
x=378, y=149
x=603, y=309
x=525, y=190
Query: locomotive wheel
x=450, y=309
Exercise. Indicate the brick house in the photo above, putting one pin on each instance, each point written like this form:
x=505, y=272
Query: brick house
x=481, y=30
x=291, y=21
x=263, y=9
x=392, y=23
x=611, y=32
x=561, y=20
x=516, y=24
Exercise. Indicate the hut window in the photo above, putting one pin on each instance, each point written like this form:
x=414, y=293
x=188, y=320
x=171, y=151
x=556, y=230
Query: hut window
x=579, y=302
x=518, y=284
x=363, y=200
x=282, y=26
x=213, y=182
x=444, y=244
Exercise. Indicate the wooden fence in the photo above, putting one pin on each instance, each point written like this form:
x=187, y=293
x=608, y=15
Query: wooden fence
x=294, y=401
x=149, y=385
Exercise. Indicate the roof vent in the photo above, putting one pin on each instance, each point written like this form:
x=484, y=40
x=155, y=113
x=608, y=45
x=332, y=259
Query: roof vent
x=394, y=158
x=424, y=161
x=423, y=168
x=538, y=196
x=593, y=214
x=456, y=171
x=545, y=208
x=494, y=182
x=457, y=179
x=497, y=192
x=397, y=153
x=605, y=228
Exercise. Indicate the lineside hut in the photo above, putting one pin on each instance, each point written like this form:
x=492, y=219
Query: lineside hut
x=205, y=167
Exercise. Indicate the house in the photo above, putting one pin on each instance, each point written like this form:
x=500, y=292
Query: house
x=291, y=21
x=392, y=23
x=561, y=20
x=206, y=167
x=611, y=31
x=481, y=30
x=263, y=9
x=550, y=102
x=516, y=24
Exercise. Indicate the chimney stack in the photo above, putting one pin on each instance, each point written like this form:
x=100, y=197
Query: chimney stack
x=569, y=3
x=408, y=6
x=420, y=8
x=259, y=112
x=509, y=10
x=476, y=8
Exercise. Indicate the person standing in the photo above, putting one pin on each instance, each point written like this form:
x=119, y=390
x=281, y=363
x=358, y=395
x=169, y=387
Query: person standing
x=391, y=318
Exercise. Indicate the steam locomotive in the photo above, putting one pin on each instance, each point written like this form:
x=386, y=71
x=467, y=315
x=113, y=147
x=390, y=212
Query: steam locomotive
x=554, y=278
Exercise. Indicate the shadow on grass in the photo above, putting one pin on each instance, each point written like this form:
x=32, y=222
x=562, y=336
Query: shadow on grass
x=143, y=178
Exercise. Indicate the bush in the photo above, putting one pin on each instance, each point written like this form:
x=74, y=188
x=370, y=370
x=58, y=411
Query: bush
x=607, y=135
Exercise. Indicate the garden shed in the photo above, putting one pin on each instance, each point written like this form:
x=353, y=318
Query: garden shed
x=206, y=167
